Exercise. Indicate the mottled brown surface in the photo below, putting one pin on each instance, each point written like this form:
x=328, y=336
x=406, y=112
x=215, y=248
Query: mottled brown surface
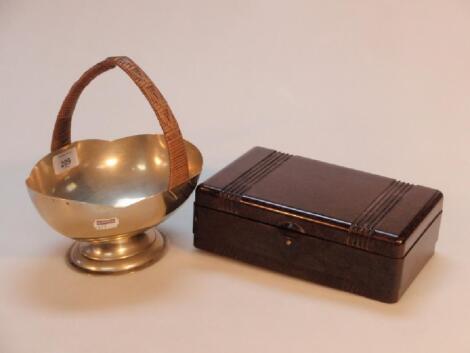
x=337, y=226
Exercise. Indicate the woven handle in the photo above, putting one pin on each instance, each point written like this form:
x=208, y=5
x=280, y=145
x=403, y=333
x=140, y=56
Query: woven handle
x=176, y=150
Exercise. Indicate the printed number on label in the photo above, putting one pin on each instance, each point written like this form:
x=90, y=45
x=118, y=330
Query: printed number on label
x=65, y=161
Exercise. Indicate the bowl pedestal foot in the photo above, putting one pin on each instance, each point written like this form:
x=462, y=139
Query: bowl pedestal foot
x=124, y=254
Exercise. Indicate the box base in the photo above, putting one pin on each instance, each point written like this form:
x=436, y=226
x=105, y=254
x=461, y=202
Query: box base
x=318, y=260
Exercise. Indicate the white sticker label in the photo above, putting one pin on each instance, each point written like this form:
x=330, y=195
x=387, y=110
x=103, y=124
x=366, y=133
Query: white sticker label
x=106, y=223
x=65, y=161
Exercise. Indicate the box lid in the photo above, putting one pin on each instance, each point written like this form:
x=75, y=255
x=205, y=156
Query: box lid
x=314, y=198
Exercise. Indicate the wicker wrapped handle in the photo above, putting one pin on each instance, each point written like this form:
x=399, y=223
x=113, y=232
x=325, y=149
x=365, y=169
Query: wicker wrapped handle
x=176, y=149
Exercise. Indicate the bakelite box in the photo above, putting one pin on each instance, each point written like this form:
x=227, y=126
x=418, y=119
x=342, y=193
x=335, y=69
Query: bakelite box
x=336, y=226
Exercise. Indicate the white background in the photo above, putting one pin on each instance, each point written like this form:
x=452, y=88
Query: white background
x=381, y=86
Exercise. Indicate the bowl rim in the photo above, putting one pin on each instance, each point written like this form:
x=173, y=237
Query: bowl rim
x=53, y=153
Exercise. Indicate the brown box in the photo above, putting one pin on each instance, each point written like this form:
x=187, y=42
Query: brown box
x=336, y=226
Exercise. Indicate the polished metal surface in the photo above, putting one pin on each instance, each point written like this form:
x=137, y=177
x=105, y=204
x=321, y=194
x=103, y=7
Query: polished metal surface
x=112, y=192
x=122, y=255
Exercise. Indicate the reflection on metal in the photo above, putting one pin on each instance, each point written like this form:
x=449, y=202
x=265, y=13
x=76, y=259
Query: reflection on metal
x=111, y=200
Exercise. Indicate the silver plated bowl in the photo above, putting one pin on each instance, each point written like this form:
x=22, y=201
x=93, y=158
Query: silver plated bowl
x=109, y=195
